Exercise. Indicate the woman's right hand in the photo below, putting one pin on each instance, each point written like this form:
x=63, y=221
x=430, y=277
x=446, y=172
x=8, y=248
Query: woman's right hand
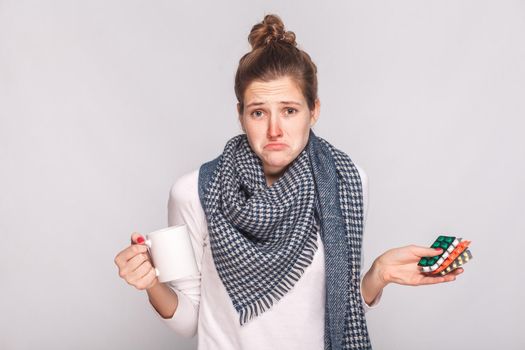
x=135, y=265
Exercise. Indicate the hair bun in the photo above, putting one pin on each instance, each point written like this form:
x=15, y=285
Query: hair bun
x=270, y=30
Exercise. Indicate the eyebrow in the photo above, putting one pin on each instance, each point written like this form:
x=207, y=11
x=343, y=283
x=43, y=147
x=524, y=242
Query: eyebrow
x=281, y=102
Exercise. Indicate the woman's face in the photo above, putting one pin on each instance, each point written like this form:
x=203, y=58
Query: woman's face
x=277, y=121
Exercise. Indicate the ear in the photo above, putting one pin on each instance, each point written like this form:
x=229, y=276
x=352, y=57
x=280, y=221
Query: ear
x=241, y=121
x=314, y=114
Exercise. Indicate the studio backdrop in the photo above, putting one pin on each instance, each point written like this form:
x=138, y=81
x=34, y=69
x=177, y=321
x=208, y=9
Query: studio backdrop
x=104, y=104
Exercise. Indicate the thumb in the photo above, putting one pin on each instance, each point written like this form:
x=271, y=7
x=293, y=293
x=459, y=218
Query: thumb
x=137, y=238
x=424, y=251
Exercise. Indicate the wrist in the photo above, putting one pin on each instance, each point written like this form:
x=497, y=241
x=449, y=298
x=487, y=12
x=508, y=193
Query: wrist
x=154, y=285
x=379, y=273
x=373, y=282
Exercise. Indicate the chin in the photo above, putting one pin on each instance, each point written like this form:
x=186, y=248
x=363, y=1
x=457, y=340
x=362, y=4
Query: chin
x=277, y=164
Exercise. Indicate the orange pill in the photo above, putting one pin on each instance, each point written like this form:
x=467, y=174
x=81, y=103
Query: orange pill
x=460, y=248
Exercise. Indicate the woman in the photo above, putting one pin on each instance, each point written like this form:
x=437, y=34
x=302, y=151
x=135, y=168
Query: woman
x=276, y=224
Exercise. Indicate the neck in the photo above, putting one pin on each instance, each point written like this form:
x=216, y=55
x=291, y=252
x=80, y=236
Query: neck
x=273, y=176
x=271, y=179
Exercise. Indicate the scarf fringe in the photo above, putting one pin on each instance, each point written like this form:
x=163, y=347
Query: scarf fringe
x=257, y=307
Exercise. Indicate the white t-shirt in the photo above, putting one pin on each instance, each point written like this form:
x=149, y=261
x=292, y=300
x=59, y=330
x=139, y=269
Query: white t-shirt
x=296, y=321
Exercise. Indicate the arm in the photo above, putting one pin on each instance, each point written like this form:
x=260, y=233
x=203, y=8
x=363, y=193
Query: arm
x=177, y=302
x=372, y=285
x=368, y=302
x=163, y=299
x=371, y=289
x=398, y=265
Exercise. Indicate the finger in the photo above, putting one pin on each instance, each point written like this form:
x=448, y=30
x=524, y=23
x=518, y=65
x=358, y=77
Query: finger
x=437, y=279
x=457, y=271
x=424, y=251
x=440, y=279
x=125, y=255
x=137, y=238
x=154, y=279
x=138, y=276
x=132, y=265
x=149, y=280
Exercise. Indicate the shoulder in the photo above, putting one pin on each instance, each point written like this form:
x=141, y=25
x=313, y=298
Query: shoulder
x=185, y=189
x=342, y=159
x=362, y=174
x=184, y=208
x=345, y=160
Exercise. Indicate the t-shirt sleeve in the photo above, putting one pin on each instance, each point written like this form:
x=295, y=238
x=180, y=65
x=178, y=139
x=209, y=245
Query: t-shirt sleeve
x=184, y=209
x=364, y=185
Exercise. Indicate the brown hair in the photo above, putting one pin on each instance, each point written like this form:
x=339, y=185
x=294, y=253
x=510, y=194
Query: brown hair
x=274, y=55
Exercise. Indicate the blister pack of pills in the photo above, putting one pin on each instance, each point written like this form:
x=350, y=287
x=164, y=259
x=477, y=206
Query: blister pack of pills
x=455, y=253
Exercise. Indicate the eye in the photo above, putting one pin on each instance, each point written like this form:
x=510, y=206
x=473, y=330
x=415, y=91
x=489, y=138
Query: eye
x=257, y=114
x=290, y=110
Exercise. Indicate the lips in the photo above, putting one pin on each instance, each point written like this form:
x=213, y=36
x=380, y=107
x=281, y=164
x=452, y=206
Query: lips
x=275, y=146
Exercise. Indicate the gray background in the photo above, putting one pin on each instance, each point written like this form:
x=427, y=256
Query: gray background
x=103, y=104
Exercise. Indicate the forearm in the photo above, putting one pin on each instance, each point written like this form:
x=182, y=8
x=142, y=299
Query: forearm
x=373, y=283
x=163, y=299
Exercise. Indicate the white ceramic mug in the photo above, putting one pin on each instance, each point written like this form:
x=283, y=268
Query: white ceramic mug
x=172, y=253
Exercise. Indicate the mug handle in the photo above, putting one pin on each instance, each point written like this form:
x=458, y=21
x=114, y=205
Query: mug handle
x=148, y=244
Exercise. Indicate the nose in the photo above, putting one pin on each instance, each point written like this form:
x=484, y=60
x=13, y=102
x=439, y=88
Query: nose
x=274, y=127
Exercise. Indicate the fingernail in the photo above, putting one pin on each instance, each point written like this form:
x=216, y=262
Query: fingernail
x=140, y=240
x=437, y=249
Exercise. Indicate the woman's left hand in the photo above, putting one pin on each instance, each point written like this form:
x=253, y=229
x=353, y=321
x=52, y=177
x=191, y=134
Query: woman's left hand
x=399, y=265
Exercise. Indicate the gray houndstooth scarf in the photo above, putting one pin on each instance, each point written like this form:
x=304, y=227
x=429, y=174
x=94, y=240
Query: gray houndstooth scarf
x=263, y=238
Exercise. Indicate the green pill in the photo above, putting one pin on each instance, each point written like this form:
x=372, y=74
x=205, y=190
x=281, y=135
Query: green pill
x=447, y=243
